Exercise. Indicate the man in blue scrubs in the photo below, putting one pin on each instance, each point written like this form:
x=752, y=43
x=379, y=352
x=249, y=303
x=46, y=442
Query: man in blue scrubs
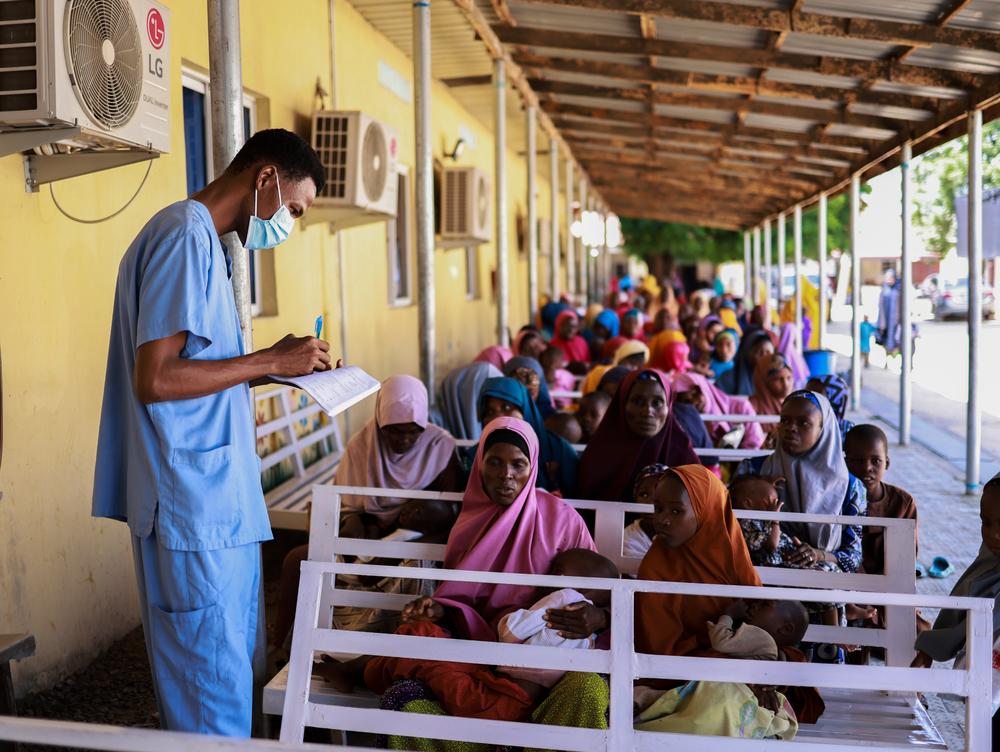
x=176, y=455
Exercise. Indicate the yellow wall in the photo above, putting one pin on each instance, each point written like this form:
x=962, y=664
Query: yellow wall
x=64, y=576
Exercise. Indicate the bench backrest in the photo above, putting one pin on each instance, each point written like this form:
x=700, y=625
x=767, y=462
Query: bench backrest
x=622, y=663
x=897, y=638
x=296, y=442
x=725, y=455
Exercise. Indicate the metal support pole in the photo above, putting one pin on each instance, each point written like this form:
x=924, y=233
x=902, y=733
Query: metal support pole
x=500, y=196
x=767, y=267
x=531, y=118
x=424, y=190
x=746, y=264
x=756, y=265
x=797, y=234
x=821, y=252
x=974, y=417
x=554, y=284
x=584, y=250
x=779, y=297
x=226, y=73
x=906, y=332
x=570, y=243
x=855, y=293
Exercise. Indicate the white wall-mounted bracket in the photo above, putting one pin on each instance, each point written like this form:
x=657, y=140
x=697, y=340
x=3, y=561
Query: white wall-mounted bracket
x=47, y=168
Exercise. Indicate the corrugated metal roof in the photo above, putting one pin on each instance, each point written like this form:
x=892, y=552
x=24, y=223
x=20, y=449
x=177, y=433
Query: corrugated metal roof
x=979, y=14
x=785, y=126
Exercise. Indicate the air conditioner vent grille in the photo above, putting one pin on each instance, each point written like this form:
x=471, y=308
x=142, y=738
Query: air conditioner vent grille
x=330, y=134
x=104, y=53
x=374, y=161
x=456, y=219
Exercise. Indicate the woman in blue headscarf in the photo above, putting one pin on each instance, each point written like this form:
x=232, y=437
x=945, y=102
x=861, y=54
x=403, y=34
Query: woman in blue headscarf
x=459, y=394
x=531, y=374
x=558, y=461
x=604, y=327
x=548, y=315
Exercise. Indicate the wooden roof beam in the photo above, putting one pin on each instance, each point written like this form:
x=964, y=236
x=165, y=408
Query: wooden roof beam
x=727, y=151
x=709, y=82
x=582, y=129
x=781, y=21
x=503, y=12
x=777, y=175
x=726, y=104
x=594, y=113
x=723, y=185
x=890, y=70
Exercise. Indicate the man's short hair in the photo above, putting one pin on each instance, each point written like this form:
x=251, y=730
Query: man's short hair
x=294, y=158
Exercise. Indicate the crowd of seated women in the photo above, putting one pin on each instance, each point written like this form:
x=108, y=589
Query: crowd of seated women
x=649, y=365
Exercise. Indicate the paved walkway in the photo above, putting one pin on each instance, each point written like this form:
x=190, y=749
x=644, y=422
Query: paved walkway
x=949, y=526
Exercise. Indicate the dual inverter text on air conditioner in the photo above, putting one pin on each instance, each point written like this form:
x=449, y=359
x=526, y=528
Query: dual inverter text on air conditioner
x=102, y=65
x=359, y=155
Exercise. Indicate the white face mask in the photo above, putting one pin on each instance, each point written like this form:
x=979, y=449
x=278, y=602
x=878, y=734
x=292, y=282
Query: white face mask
x=267, y=233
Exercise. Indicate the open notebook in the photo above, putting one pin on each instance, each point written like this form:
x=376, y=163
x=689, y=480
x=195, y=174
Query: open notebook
x=336, y=390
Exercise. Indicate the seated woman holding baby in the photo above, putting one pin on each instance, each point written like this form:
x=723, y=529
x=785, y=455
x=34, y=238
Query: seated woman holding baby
x=507, y=524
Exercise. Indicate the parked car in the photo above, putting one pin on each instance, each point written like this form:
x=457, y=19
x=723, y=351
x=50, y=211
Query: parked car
x=952, y=299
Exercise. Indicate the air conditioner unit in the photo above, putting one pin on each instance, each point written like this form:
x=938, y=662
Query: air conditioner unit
x=359, y=154
x=84, y=74
x=466, y=218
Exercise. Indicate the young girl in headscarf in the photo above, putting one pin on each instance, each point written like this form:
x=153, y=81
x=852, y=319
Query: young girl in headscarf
x=726, y=344
x=568, y=339
x=772, y=383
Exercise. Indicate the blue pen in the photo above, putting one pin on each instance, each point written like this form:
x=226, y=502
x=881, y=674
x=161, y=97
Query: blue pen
x=319, y=325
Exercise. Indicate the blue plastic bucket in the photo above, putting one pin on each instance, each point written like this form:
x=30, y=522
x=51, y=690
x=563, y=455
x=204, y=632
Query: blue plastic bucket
x=820, y=362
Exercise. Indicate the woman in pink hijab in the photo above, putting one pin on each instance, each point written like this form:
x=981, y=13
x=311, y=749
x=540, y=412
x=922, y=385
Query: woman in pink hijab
x=506, y=525
x=397, y=448
x=697, y=390
x=495, y=355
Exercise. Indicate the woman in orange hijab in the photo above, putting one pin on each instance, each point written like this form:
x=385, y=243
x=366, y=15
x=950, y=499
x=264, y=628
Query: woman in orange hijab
x=698, y=539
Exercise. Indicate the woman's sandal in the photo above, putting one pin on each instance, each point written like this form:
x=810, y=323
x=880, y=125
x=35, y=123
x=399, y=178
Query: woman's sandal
x=940, y=568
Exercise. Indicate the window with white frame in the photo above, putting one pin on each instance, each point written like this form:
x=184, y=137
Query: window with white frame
x=399, y=243
x=472, y=291
x=199, y=159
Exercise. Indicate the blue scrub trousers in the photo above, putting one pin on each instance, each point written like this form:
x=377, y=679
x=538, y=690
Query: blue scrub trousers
x=202, y=616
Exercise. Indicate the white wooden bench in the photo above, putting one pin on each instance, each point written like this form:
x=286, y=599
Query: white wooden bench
x=309, y=454
x=609, y=523
x=885, y=723
x=903, y=714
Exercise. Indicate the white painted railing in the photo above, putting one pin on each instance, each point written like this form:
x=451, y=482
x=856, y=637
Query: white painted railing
x=723, y=454
x=622, y=663
x=609, y=522
x=126, y=739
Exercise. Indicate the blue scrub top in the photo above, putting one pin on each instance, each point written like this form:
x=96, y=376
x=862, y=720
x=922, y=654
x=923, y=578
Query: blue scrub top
x=189, y=467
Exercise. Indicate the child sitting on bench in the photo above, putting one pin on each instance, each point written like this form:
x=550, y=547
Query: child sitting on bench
x=768, y=545
x=531, y=626
x=758, y=630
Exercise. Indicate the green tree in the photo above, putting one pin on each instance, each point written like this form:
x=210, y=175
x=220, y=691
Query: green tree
x=939, y=175
x=690, y=243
